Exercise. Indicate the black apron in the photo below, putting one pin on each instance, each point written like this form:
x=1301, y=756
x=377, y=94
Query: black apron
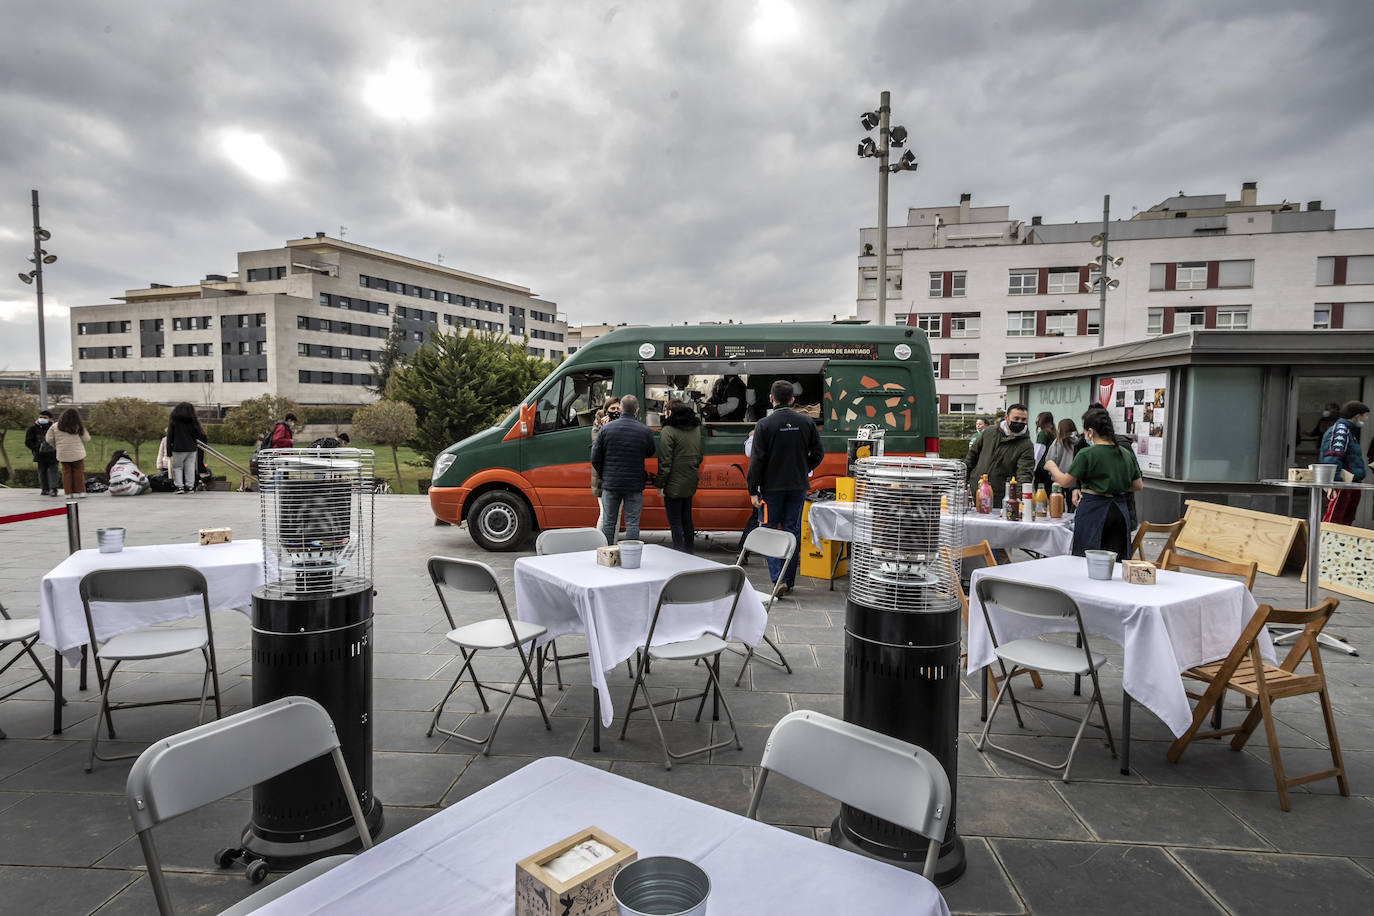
x=1090, y=518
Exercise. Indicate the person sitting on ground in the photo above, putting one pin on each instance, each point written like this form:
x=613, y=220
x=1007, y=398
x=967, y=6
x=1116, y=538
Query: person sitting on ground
x=1105, y=472
x=125, y=477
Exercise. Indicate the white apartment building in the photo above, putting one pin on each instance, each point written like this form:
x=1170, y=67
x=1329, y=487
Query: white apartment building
x=990, y=290
x=306, y=321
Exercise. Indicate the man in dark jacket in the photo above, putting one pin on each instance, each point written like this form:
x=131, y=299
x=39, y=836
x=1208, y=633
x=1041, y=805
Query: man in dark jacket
x=1002, y=452
x=44, y=455
x=1341, y=447
x=618, y=455
x=679, y=458
x=787, y=448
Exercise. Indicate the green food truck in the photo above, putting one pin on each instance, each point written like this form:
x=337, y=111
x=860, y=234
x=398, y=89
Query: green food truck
x=532, y=470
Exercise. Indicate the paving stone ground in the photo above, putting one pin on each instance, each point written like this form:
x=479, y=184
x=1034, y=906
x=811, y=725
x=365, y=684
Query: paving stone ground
x=1204, y=835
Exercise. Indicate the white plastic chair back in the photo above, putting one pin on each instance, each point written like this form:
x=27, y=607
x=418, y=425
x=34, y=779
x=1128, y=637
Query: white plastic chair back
x=568, y=540
x=876, y=773
x=770, y=542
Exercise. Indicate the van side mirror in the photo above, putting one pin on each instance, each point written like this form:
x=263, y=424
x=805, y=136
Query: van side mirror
x=526, y=419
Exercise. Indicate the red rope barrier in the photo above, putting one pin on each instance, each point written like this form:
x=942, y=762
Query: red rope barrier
x=25, y=516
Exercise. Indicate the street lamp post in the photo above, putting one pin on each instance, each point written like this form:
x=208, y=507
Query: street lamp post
x=35, y=276
x=888, y=137
x=1102, y=264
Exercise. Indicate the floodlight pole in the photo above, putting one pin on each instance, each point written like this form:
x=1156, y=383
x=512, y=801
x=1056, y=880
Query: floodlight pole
x=885, y=117
x=1102, y=276
x=38, y=285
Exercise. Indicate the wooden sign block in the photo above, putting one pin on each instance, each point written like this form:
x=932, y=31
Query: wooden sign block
x=587, y=893
x=608, y=556
x=1238, y=535
x=215, y=536
x=1347, y=561
x=1138, y=572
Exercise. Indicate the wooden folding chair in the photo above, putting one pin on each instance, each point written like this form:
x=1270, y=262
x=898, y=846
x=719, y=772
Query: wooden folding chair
x=1173, y=529
x=984, y=550
x=1246, y=673
x=1180, y=561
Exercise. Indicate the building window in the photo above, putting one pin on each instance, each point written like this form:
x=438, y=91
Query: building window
x=326, y=378
x=1191, y=275
x=963, y=367
x=302, y=349
x=243, y=347
x=1321, y=317
x=345, y=353
x=417, y=336
x=1154, y=321
x=1157, y=275
x=326, y=324
x=176, y=324
x=1359, y=269
x=958, y=283
x=1189, y=318
x=1094, y=321
x=1063, y=281
x=964, y=325
x=930, y=323
x=963, y=406
x=1022, y=282
x=327, y=352
x=243, y=375
x=1014, y=358
x=1235, y=274
x=363, y=280
x=1020, y=324
x=937, y=283
x=868, y=287
x=1233, y=319
x=260, y=316
x=935, y=366
x=1061, y=324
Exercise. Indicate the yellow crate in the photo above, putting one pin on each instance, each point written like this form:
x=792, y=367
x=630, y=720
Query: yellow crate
x=844, y=489
x=816, y=563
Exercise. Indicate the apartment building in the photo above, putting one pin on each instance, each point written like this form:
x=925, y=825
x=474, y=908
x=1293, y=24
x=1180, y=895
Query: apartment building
x=305, y=321
x=991, y=291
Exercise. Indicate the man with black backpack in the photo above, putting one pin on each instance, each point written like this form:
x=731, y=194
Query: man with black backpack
x=281, y=436
x=44, y=454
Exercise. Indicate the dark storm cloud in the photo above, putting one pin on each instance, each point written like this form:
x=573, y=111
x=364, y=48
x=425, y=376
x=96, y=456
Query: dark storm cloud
x=644, y=161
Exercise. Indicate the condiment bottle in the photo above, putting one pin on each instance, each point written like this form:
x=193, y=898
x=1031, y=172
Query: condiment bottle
x=984, y=495
x=1027, y=503
x=1011, y=509
x=1057, y=502
x=1042, y=503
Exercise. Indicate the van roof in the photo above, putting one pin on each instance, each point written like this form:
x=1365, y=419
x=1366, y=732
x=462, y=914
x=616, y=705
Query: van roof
x=624, y=343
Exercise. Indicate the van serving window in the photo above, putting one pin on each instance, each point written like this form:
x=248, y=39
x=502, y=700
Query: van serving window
x=661, y=370
x=730, y=395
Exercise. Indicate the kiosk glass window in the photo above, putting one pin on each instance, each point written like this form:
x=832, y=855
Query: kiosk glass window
x=1222, y=425
x=573, y=400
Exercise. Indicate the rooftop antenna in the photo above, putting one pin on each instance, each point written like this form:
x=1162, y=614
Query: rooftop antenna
x=342, y=230
x=441, y=260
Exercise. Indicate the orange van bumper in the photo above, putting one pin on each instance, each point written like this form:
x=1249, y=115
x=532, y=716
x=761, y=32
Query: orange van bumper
x=447, y=503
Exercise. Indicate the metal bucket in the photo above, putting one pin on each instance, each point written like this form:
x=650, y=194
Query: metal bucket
x=1100, y=563
x=111, y=540
x=1323, y=474
x=661, y=886
x=630, y=552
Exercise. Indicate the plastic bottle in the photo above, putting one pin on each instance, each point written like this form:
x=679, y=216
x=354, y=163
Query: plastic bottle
x=1057, y=502
x=1027, y=503
x=984, y=495
x=1011, y=502
x=1042, y=503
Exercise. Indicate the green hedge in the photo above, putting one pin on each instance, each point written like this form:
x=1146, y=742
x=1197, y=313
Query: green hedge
x=218, y=434
x=331, y=416
x=954, y=448
x=23, y=477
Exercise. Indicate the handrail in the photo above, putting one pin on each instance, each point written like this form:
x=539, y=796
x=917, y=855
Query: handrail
x=244, y=473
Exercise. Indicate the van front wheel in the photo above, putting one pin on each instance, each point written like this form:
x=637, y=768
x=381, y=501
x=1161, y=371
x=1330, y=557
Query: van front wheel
x=500, y=521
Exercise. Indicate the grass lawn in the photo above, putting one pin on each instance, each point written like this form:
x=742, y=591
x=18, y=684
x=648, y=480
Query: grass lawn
x=100, y=448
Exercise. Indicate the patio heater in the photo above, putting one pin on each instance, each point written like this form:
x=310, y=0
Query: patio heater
x=312, y=636
x=901, y=641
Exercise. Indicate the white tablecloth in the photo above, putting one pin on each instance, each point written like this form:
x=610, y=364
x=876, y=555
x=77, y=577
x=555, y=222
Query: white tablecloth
x=612, y=606
x=834, y=521
x=462, y=860
x=1181, y=621
x=231, y=573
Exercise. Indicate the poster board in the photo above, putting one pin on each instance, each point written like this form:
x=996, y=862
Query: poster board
x=1347, y=561
x=1139, y=406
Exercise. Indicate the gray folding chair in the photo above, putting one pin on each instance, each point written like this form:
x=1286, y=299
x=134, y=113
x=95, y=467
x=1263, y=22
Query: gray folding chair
x=137, y=586
x=694, y=587
x=503, y=632
x=24, y=634
x=779, y=545
x=179, y=774
x=1043, y=603
x=881, y=775
x=565, y=540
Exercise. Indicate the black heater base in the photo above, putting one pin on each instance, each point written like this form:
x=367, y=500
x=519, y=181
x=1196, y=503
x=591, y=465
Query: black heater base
x=948, y=869
x=285, y=853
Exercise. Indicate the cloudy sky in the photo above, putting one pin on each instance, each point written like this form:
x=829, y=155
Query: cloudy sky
x=638, y=160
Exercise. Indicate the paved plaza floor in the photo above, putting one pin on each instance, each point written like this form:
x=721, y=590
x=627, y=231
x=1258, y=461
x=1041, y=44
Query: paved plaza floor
x=1204, y=835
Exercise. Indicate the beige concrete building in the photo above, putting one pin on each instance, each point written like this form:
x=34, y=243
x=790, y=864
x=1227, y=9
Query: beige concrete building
x=306, y=321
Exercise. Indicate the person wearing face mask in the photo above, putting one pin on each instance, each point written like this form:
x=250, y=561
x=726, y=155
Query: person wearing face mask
x=44, y=454
x=283, y=433
x=1104, y=472
x=1341, y=447
x=1003, y=451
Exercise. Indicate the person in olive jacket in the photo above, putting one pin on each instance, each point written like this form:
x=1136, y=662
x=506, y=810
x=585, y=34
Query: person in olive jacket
x=1002, y=452
x=679, y=457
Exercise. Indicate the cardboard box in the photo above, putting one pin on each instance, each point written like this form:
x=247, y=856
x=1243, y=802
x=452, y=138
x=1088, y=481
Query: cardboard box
x=215, y=536
x=844, y=489
x=608, y=556
x=1138, y=572
x=587, y=893
x=1300, y=475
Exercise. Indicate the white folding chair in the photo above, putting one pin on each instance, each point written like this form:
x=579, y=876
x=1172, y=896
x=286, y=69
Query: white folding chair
x=179, y=774
x=24, y=634
x=694, y=587
x=138, y=586
x=779, y=545
x=1043, y=603
x=565, y=540
x=503, y=632
x=876, y=773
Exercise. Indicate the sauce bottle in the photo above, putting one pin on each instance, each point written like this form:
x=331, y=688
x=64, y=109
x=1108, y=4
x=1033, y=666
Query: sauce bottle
x=1011, y=502
x=1057, y=502
x=1042, y=503
x=984, y=495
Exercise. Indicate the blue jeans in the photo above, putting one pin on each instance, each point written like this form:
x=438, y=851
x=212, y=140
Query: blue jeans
x=785, y=512
x=679, y=512
x=611, y=503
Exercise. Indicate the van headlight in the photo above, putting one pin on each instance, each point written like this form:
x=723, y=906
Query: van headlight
x=441, y=464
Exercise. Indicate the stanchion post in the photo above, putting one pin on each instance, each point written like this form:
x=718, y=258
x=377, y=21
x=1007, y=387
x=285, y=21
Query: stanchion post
x=73, y=527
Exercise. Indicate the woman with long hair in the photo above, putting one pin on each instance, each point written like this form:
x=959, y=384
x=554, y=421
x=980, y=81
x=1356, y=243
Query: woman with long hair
x=610, y=410
x=68, y=435
x=1105, y=472
x=1065, y=442
x=183, y=433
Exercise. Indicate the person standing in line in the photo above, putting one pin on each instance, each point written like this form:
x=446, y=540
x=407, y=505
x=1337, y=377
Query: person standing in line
x=618, y=455
x=608, y=412
x=1062, y=451
x=283, y=433
x=679, y=458
x=787, y=448
x=1044, y=438
x=1341, y=447
x=183, y=432
x=978, y=426
x=1105, y=472
x=1002, y=452
x=44, y=455
x=69, y=437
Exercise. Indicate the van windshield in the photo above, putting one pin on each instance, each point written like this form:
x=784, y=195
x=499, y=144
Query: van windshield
x=728, y=400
